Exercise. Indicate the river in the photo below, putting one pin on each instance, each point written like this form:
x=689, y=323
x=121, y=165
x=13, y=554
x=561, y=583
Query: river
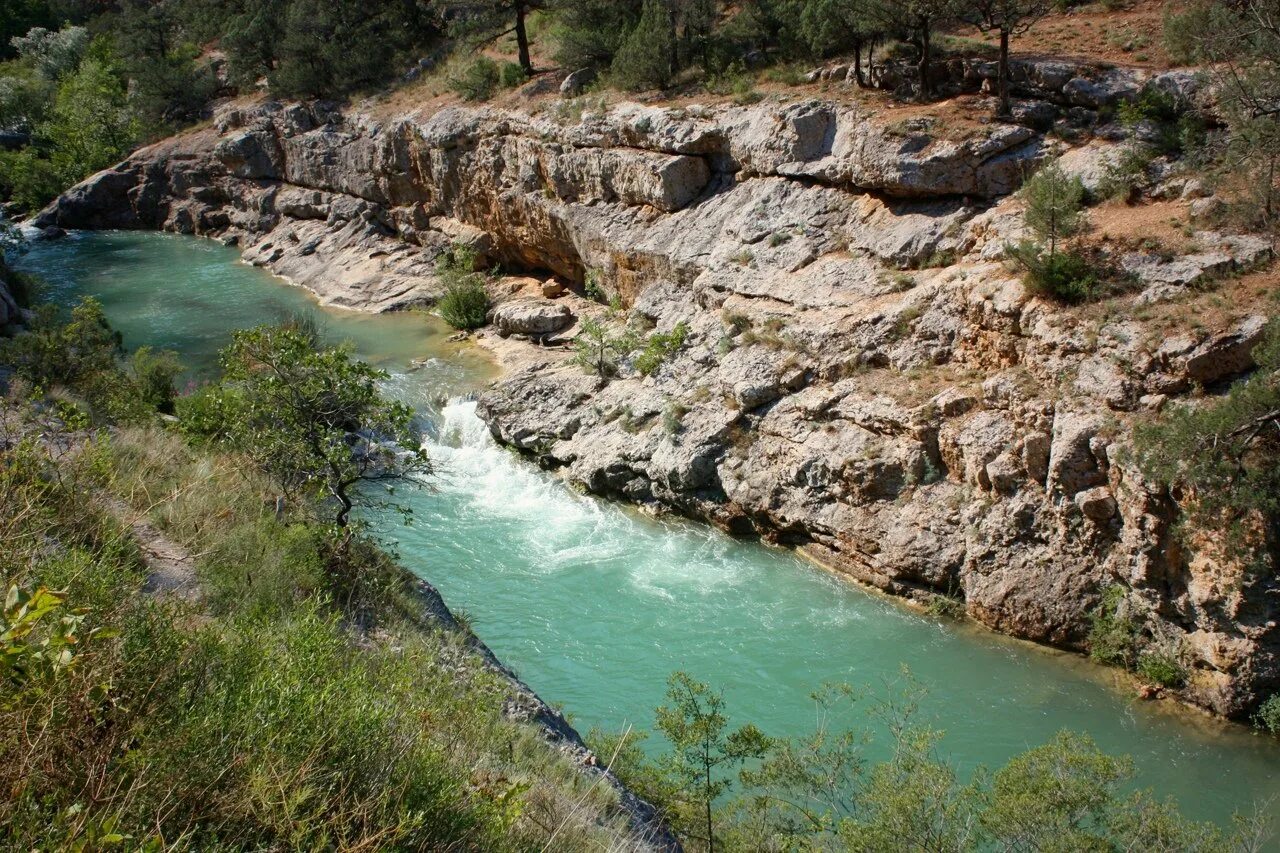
x=595, y=604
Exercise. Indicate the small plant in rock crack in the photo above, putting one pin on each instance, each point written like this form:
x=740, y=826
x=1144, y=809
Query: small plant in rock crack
x=659, y=347
x=673, y=418
x=946, y=607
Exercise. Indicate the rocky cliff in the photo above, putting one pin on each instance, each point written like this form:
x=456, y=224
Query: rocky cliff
x=862, y=377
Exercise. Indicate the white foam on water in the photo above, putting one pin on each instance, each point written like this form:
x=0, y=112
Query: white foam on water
x=571, y=531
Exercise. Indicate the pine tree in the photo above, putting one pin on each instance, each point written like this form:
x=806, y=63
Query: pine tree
x=591, y=32
x=484, y=21
x=1054, y=202
x=645, y=60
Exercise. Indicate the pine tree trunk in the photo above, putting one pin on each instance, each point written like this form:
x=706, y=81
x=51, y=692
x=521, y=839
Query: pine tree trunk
x=711, y=840
x=522, y=39
x=675, y=40
x=924, y=61
x=857, y=63
x=1006, y=108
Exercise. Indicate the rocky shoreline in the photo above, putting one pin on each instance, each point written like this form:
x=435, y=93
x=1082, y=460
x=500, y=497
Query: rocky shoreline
x=862, y=377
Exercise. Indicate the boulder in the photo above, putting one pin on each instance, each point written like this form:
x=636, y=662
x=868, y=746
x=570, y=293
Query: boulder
x=532, y=317
x=576, y=83
x=1097, y=503
x=1226, y=354
x=1074, y=463
x=251, y=154
x=1091, y=163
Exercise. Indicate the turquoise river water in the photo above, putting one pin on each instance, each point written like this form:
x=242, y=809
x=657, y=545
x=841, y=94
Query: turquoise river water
x=595, y=604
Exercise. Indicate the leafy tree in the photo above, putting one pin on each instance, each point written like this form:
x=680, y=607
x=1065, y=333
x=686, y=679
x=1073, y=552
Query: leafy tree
x=18, y=17
x=71, y=352
x=1008, y=18
x=166, y=82
x=769, y=25
x=308, y=48
x=52, y=53
x=1053, y=205
x=81, y=353
x=804, y=787
x=589, y=33
x=24, y=100
x=92, y=125
x=1223, y=456
x=27, y=179
x=1238, y=45
x=329, y=47
x=703, y=748
x=315, y=420
x=1055, y=796
x=913, y=801
x=251, y=37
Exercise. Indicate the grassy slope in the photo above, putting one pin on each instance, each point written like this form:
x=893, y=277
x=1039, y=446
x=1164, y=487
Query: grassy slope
x=265, y=715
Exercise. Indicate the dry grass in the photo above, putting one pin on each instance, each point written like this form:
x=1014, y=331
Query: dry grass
x=1116, y=33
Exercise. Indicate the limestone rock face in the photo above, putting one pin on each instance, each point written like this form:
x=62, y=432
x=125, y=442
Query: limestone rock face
x=861, y=375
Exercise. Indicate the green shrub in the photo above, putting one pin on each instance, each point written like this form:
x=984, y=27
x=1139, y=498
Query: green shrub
x=80, y=354
x=477, y=80
x=1066, y=276
x=946, y=607
x=1177, y=129
x=154, y=372
x=465, y=302
x=1268, y=715
x=511, y=74
x=205, y=414
x=593, y=287
x=1053, y=204
x=1225, y=454
x=29, y=180
x=1162, y=667
x=600, y=346
x=1113, y=634
x=1127, y=175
